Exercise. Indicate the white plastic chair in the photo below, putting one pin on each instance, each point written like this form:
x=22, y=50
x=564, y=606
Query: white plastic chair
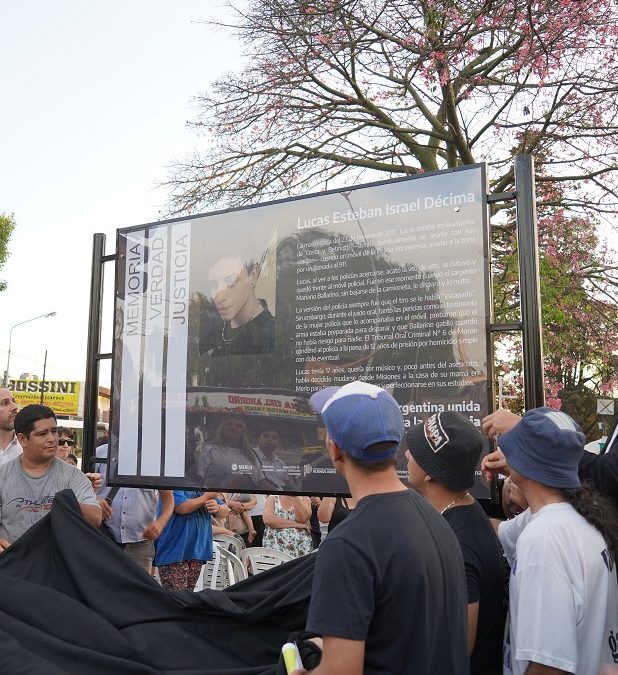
x=234, y=544
x=222, y=571
x=259, y=558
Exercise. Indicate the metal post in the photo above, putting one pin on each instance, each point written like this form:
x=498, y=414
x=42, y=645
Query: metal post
x=8, y=359
x=530, y=296
x=91, y=394
x=42, y=385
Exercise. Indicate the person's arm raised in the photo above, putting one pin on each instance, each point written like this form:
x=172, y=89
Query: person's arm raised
x=499, y=422
x=493, y=464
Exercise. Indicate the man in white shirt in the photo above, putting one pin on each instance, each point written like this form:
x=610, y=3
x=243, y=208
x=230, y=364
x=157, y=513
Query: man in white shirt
x=9, y=445
x=563, y=589
x=131, y=515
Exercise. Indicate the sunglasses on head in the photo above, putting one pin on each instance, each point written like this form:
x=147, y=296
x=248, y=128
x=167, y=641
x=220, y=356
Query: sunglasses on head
x=66, y=441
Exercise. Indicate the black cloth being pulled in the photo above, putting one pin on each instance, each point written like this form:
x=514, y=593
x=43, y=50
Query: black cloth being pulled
x=72, y=602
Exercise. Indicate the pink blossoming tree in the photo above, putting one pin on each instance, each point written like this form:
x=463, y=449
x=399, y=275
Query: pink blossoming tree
x=341, y=91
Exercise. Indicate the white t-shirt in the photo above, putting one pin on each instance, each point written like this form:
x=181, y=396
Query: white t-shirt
x=563, y=593
x=12, y=450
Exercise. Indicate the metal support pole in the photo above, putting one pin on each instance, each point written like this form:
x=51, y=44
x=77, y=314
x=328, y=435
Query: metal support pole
x=8, y=360
x=43, y=382
x=530, y=296
x=91, y=394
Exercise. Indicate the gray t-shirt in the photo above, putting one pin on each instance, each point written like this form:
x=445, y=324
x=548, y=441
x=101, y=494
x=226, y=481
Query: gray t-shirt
x=25, y=499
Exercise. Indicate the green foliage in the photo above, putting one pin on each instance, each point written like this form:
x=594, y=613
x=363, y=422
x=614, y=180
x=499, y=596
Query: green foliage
x=7, y=225
x=581, y=404
x=578, y=284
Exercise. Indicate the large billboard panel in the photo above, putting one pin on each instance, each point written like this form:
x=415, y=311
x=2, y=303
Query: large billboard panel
x=226, y=322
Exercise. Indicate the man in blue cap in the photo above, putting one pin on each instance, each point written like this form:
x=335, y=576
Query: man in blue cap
x=563, y=588
x=389, y=593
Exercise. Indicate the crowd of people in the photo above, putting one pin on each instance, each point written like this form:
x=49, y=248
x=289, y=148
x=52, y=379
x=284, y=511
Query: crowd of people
x=411, y=578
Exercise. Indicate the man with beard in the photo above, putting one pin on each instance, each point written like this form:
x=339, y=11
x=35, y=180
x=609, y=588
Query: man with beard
x=9, y=445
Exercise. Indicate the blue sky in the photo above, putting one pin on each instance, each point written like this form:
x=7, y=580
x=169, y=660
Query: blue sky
x=95, y=96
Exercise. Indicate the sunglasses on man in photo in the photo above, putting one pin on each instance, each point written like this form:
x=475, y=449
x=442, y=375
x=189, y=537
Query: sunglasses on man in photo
x=66, y=441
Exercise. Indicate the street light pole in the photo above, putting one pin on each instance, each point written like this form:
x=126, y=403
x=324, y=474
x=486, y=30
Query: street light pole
x=43, y=381
x=21, y=323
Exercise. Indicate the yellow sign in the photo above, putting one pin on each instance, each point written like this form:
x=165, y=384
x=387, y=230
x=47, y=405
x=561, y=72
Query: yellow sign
x=62, y=396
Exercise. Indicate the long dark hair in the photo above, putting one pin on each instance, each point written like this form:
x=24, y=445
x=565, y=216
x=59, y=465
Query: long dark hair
x=598, y=509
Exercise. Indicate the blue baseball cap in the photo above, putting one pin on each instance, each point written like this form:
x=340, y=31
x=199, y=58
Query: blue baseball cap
x=545, y=446
x=358, y=415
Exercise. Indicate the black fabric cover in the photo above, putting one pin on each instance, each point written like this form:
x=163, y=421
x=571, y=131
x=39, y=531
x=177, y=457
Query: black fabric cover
x=310, y=653
x=72, y=602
